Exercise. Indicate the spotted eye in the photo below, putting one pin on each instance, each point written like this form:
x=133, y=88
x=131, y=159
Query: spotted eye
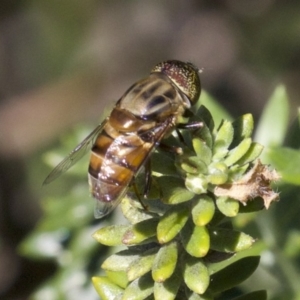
x=184, y=75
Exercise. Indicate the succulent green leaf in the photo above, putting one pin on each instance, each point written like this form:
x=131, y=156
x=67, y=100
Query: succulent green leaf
x=118, y=277
x=139, y=289
x=238, y=152
x=120, y=261
x=141, y=265
x=163, y=164
x=257, y=295
x=165, y=262
x=233, y=274
x=202, y=150
x=195, y=239
x=193, y=296
x=228, y=240
x=134, y=214
x=196, y=184
x=253, y=152
x=174, y=190
x=140, y=232
x=193, y=165
x=204, y=114
x=237, y=171
x=243, y=127
x=105, y=288
x=111, y=235
x=171, y=223
x=204, y=134
x=203, y=210
x=195, y=275
x=168, y=289
x=228, y=206
x=287, y=162
x=218, y=173
x=273, y=123
x=223, y=140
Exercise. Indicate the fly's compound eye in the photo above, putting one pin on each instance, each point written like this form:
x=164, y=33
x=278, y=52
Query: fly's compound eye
x=184, y=75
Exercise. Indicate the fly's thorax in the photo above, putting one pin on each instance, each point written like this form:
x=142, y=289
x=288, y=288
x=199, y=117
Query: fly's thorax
x=155, y=98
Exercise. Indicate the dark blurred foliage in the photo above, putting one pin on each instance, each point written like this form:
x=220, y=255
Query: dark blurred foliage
x=64, y=62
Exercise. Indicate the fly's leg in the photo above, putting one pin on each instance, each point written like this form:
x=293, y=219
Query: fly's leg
x=136, y=191
x=149, y=182
x=148, y=178
x=187, y=126
x=147, y=186
x=190, y=126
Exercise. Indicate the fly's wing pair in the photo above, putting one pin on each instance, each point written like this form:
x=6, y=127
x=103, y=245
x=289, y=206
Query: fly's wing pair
x=75, y=155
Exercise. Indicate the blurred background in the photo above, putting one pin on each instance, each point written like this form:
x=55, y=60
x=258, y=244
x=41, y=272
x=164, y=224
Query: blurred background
x=64, y=63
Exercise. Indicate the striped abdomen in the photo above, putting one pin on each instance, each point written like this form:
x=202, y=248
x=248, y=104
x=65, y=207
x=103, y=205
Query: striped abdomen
x=115, y=159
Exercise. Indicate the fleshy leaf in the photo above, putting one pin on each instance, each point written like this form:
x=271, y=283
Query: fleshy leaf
x=141, y=265
x=140, y=232
x=139, y=289
x=223, y=140
x=225, y=278
x=105, y=288
x=165, y=262
x=253, y=152
x=228, y=240
x=238, y=152
x=118, y=277
x=203, y=210
x=168, y=289
x=227, y=206
x=171, y=223
x=196, y=275
x=163, y=164
x=196, y=183
x=120, y=261
x=202, y=150
x=134, y=214
x=195, y=239
x=218, y=173
x=243, y=127
x=111, y=235
x=193, y=296
x=175, y=192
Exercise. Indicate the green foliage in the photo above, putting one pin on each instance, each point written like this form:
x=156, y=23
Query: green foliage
x=178, y=236
x=190, y=242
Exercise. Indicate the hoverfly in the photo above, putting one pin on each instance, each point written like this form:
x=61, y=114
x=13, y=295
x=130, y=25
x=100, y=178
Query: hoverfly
x=148, y=111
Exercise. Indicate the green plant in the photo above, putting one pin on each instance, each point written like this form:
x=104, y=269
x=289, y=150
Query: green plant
x=177, y=248
x=161, y=251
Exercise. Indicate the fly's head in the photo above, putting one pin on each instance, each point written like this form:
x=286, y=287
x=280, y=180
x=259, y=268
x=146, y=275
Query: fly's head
x=185, y=76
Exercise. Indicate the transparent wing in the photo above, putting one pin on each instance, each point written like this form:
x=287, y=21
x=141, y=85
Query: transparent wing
x=104, y=208
x=75, y=155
